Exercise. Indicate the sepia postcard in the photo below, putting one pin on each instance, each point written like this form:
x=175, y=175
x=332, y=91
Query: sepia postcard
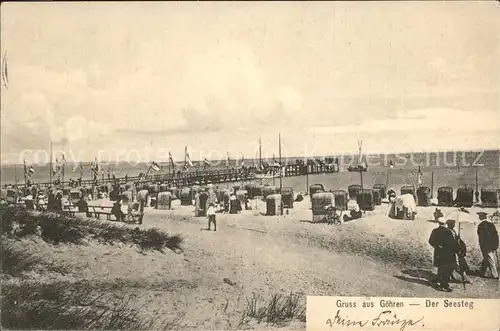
x=250, y=165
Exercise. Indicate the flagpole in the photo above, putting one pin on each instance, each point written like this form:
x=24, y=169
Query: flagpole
x=281, y=167
x=63, y=169
x=50, y=170
x=185, y=157
x=432, y=184
x=24, y=165
x=274, y=169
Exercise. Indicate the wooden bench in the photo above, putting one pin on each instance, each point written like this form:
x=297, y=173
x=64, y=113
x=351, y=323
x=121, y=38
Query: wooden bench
x=97, y=211
x=69, y=210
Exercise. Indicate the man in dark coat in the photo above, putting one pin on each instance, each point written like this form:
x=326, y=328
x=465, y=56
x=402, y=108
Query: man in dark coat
x=462, y=266
x=444, y=245
x=488, y=242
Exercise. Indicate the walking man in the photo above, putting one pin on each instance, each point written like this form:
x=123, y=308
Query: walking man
x=211, y=216
x=462, y=268
x=488, y=242
x=444, y=245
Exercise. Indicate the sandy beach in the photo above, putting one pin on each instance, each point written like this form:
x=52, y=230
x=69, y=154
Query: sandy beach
x=208, y=283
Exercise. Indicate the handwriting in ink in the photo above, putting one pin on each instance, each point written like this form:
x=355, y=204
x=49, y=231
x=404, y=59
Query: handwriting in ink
x=385, y=318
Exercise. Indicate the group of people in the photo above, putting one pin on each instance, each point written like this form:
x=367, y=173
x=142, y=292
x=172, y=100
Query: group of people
x=450, y=251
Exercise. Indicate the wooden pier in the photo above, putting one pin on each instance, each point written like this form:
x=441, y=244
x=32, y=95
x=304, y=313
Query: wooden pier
x=201, y=176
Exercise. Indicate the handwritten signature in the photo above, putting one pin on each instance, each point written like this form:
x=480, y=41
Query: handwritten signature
x=385, y=318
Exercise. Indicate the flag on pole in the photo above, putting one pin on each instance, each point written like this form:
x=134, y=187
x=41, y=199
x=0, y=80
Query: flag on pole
x=171, y=159
x=155, y=166
x=206, y=162
x=242, y=161
x=95, y=168
x=81, y=170
x=55, y=167
x=188, y=159
x=227, y=159
x=31, y=171
x=419, y=176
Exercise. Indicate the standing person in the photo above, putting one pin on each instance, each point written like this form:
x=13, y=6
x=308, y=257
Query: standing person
x=117, y=210
x=444, y=245
x=488, y=242
x=461, y=267
x=211, y=216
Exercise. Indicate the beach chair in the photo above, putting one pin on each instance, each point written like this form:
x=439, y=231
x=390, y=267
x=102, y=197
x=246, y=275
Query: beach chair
x=424, y=196
x=465, y=197
x=445, y=196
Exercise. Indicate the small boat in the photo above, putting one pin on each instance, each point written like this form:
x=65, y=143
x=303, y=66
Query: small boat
x=360, y=167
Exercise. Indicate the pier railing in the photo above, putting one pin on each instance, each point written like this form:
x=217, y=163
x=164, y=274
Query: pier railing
x=199, y=176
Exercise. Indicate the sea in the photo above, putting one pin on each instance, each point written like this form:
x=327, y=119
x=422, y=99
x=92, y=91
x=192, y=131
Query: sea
x=452, y=168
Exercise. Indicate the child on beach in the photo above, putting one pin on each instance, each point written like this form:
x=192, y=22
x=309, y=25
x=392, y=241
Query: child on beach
x=211, y=216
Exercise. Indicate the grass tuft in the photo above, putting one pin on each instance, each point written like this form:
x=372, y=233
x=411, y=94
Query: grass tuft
x=61, y=305
x=278, y=310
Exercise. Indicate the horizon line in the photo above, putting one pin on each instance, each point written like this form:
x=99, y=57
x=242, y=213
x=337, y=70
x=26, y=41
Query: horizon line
x=437, y=151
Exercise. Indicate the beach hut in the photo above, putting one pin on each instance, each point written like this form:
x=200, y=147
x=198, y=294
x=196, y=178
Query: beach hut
x=269, y=190
x=236, y=188
x=353, y=190
x=201, y=204
x=316, y=188
x=222, y=194
x=127, y=197
x=383, y=190
x=341, y=198
x=3, y=194
x=11, y=196
x=377, y=199
x=287, y=197
x=195, y=189
x=258, y=190
x=273, y=205
x=242, y=195
x=154, y=189
x=409, y=189
x=163, y=188
x=164, y=201
x=465, y=197
x=319, y=201
x=103, y=188
x=424, y=196
x=365, y=200
x=404, y=207
x=176, y=192
x=445, y=196
x=75, y=195
x=490, y=197
x=185, y=196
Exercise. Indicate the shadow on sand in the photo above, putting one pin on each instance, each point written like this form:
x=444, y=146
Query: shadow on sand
x=418, y=276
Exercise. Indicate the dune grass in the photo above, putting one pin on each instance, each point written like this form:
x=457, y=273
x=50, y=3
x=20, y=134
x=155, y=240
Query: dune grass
x=57, y=228
x=278, y=310
x=67, y=306
x=15, y=260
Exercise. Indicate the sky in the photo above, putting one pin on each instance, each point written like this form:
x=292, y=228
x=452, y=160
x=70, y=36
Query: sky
x=142, y=79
